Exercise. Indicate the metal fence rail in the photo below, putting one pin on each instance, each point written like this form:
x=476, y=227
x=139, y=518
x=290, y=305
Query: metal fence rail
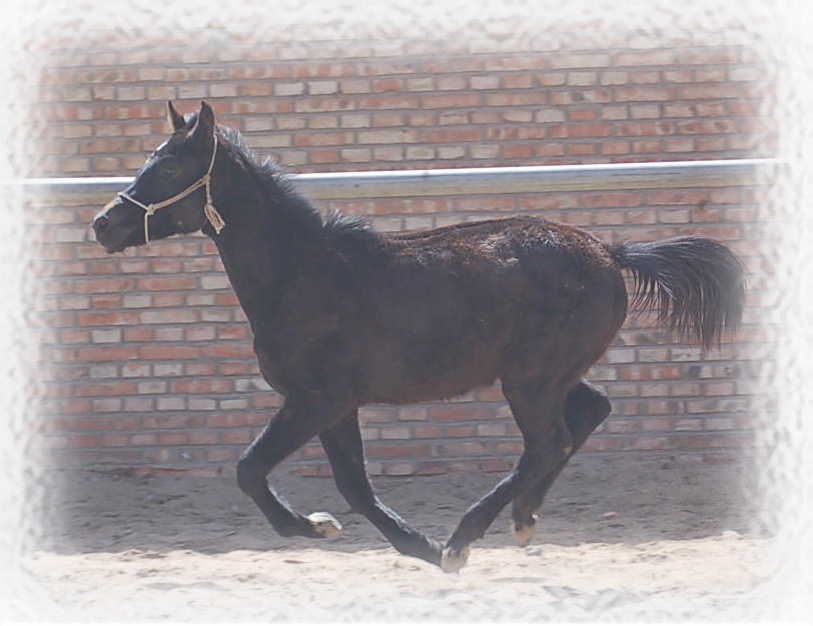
x=472, y=181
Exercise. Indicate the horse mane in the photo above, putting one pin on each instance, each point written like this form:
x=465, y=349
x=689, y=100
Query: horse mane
x=282, y=193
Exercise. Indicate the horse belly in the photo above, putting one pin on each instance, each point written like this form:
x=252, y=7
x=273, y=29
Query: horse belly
x=438, y=329
x=431, y=370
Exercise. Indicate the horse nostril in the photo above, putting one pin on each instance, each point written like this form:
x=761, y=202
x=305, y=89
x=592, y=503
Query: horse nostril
x=100, y=223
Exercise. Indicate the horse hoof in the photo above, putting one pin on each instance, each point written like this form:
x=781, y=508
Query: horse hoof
x=325, y=524
x=524, y=534
x=452, y=560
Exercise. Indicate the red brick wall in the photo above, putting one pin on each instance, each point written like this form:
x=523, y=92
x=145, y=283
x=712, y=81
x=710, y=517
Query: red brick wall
x=145, y=358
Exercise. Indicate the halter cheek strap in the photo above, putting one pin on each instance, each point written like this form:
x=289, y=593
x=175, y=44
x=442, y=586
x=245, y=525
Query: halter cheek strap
x=209, y=210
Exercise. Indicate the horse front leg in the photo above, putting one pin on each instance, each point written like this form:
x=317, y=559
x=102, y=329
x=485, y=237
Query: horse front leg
x=345, y=451
x=296, y=422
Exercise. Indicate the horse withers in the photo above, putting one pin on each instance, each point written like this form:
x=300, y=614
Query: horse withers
x=343, y=316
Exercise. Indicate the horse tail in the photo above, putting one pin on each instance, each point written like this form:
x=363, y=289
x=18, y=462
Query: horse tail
x=696, y=284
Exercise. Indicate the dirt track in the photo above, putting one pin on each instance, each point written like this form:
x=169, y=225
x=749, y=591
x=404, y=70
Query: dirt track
x=685, y=544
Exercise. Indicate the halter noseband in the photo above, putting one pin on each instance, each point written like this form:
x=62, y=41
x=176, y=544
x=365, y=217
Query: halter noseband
x=209, y=209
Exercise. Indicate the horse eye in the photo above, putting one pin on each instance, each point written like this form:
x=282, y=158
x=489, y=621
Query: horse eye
x=168, y=171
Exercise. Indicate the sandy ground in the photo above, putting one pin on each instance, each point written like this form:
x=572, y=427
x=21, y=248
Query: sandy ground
x=681, y=542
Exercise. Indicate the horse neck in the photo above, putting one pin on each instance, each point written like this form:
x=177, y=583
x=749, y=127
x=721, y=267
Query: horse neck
x=264, y=235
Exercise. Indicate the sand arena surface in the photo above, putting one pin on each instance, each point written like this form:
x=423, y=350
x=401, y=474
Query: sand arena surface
x=621, y=538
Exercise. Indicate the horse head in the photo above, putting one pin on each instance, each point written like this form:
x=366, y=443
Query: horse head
x=171, y=193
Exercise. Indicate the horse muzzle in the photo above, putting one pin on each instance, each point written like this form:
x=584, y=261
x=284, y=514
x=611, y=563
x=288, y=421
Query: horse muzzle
x=107, y=227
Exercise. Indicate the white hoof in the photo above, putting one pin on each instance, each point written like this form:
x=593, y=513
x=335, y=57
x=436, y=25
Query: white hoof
x=524, y=534
x=325, y=524
x=452, y=560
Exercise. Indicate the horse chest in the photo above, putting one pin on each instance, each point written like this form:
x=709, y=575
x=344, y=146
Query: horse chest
x=299, y=355
x=272, y=369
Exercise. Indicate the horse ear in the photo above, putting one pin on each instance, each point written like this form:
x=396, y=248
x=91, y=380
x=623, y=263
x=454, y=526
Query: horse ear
x=204, y=127
x=174, y=118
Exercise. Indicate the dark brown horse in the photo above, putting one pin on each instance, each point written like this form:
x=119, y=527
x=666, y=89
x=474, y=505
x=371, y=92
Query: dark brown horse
x=343, y=316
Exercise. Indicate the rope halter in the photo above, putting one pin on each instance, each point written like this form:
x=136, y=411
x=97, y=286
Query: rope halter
x=209, y=210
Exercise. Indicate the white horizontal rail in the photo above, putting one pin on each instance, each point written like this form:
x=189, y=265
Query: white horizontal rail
x=474, y=181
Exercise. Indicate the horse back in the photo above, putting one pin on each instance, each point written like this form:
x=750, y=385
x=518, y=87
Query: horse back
x=456, y=307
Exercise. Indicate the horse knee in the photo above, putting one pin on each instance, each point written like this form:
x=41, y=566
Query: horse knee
x=250, y=479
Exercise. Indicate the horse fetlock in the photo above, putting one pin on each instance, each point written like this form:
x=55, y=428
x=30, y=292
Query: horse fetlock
x=325, y=524
x=451, y=559
x=525, y=532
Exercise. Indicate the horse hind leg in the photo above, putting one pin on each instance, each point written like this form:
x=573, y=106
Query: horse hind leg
x=539, y=416
x=475, y=522
x=548, y=442
x=585, y=409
